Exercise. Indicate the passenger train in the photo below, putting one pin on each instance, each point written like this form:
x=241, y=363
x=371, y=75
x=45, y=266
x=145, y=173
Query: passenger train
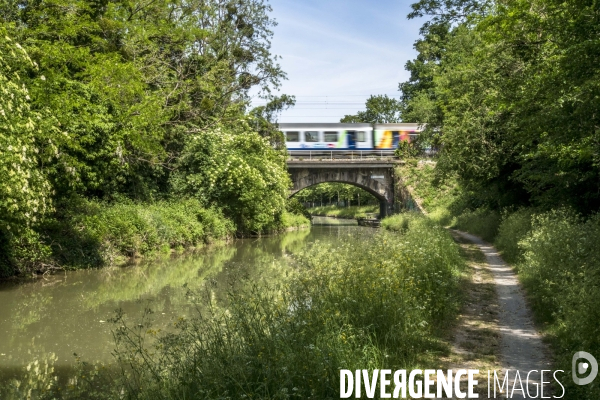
x=344, y=137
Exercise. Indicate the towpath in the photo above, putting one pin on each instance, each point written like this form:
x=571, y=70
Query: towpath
x=520, y=346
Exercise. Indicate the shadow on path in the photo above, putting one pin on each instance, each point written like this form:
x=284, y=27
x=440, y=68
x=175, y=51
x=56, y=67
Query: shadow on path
x=521, y=346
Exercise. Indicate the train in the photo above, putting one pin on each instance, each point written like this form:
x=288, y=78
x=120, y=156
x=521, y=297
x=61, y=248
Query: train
x=301, y=137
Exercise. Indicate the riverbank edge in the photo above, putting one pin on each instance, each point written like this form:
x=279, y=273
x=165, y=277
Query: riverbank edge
x=95, y=234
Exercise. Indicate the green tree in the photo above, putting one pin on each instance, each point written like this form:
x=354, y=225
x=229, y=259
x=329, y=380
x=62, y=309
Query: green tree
x=236, y=169
x=25, y=192
x=129, y=81
x=379, y=109
x=265, y=118
x=510, y=91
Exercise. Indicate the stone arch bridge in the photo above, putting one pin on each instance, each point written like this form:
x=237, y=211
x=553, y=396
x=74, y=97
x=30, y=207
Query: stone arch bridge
x=374, y=176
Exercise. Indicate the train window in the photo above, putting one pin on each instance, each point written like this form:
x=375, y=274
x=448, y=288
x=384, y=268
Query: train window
x=311, y=136
x=292, y=136
x=330, y=137
x=361, y=137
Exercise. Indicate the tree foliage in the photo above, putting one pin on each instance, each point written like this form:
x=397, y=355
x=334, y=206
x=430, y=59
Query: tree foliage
x=130, y=80
x=513, y=89
x=379, y=109
x=24, y=190
x=104, y=100
x=236, y=169
x=335, y=192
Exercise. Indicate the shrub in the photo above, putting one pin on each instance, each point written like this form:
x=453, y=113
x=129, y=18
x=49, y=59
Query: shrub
x=24, y=252
x=236, y=170
x=513, y=228
x=480, y=222
x=560, y=268
x=441, y=216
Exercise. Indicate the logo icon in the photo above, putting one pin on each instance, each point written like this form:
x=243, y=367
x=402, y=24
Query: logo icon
x=582, y=367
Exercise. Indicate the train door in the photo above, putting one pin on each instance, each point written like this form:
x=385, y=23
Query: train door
x=396, y=139
x=351, y=140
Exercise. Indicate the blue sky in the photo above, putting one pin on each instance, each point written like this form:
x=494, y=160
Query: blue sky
x=338, y=52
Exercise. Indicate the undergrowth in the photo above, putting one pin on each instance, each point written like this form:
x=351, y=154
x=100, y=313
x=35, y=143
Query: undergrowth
x=344, y=212
x=92, y=234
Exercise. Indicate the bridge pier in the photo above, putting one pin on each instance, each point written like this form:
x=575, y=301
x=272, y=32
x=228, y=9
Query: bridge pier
x=383, y=209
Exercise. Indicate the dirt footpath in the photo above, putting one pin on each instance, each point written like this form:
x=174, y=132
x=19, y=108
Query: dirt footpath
x=496, y=329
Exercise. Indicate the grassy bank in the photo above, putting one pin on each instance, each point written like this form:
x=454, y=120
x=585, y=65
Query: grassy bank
x=89, y=234
x=343, y=212
x=555, y=252
x=93, y=234
x=294, y=221
x=372, y=302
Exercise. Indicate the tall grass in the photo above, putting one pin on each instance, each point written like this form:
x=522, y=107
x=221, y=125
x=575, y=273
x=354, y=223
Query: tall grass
x=513, y=228
x=290, y=220
x=369, y=303
x=557, y=256
x=435, y=196
x=398, y=222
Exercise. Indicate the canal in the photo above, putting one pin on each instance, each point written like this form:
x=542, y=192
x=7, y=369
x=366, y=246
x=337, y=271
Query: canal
x=59, y=315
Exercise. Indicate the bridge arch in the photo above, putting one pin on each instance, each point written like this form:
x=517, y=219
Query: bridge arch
x=367, y=189
x=375, y=179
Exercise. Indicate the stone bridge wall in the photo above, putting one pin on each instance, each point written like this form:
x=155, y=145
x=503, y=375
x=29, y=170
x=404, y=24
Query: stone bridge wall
x=377, y=179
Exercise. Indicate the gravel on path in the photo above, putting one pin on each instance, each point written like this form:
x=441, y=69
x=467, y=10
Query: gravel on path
x=521, y=346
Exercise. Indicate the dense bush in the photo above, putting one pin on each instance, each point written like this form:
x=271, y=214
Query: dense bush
x=237, y=170
x=93, y=233
x=370, y=303
x=481, y=222
x=561, y=260
x=513, y=228
x=25, y=192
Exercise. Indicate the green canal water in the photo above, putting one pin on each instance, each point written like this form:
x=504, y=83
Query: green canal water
x=59, y=315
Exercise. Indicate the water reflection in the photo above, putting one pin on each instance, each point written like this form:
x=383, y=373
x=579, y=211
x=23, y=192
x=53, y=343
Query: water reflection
x=68, y=313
